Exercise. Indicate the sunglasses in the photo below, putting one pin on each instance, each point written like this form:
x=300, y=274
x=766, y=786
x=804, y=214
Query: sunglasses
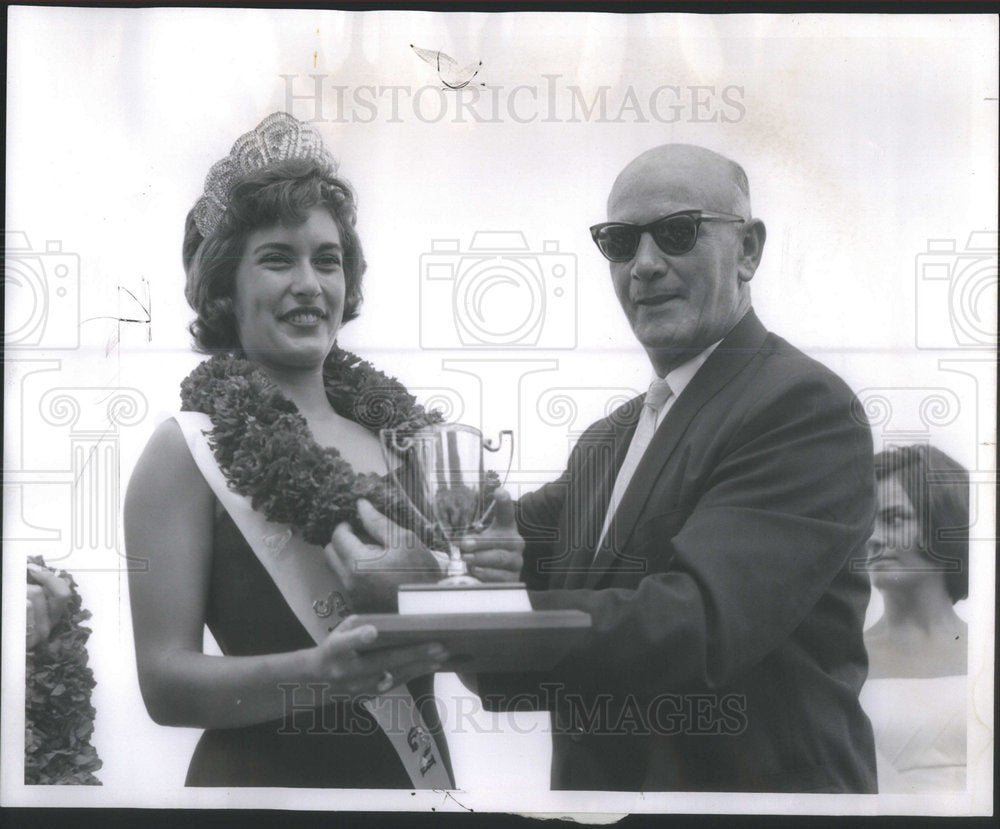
x=674, y=234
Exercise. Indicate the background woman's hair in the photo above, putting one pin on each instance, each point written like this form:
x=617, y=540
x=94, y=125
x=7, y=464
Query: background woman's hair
x=283, y=192
x=938, y=488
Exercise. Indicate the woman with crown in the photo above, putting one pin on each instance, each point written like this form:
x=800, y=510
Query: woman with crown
x=234, y=501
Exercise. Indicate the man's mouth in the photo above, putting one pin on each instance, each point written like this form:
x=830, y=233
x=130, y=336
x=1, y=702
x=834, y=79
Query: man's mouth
x=655, y=299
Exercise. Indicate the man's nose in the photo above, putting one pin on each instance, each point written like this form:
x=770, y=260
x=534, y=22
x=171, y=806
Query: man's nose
x=649, y=261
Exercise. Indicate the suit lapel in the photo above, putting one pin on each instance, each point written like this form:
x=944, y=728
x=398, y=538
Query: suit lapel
x=596, y=477
x=732, y=355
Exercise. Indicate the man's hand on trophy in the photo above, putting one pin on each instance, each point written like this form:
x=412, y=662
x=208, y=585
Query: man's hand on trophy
x=495, y=554
x=372, y=572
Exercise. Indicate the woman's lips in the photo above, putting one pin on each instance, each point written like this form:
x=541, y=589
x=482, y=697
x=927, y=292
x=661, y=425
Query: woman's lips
x=303, y=316
x=876, y=560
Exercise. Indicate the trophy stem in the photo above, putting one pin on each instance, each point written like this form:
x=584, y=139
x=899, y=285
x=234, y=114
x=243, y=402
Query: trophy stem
x=457, y=574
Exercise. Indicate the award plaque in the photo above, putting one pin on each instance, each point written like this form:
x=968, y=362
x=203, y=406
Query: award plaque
x=493, y=642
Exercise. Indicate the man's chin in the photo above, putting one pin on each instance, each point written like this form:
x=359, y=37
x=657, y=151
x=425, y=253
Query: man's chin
x=659, y=340
x=666, y=354
x=676, y=340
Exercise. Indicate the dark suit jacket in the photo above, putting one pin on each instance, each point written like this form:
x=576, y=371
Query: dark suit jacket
x=726, y=651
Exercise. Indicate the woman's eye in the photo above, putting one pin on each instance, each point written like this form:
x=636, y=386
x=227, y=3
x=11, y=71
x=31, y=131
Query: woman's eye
x=274, y=260
x=330, y=262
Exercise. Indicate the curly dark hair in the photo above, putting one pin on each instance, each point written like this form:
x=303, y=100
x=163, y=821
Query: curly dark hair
x=938, y=488
x=283, y=192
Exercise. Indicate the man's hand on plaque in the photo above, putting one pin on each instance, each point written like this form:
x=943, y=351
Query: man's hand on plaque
x=495, y=554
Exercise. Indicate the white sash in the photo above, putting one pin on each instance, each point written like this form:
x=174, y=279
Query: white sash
x=310, y=587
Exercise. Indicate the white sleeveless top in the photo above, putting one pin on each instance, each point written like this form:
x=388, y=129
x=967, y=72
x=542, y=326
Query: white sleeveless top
x=920, y=732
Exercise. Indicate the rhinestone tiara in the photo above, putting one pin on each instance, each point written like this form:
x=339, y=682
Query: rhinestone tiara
x=278, y=137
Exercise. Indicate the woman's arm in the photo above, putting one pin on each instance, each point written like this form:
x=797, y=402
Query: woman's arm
x=169, y=515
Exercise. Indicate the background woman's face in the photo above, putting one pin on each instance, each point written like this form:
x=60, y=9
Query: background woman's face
x=289, y=293
x=897, y=554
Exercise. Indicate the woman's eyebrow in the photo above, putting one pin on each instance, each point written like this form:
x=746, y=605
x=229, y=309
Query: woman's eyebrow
x=285, y=246
x=272, y=245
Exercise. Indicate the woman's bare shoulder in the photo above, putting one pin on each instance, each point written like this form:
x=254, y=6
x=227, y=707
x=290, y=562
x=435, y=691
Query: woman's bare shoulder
x=166, y=468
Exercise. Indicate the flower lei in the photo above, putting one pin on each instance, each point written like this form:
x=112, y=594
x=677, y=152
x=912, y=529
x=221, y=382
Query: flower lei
x=264, y=448
x=58, y=714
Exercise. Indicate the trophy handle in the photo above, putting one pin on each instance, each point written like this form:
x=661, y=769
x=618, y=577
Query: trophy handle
x=489, y=446
x=389, y=439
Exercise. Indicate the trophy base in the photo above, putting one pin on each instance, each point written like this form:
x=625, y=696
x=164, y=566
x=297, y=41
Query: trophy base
x=463, y=580
x=493, y=597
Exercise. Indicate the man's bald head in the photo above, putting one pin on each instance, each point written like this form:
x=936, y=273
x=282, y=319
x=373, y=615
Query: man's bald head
x=696, y=176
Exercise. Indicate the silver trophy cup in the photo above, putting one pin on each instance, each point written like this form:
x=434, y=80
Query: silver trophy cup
x=441, y=471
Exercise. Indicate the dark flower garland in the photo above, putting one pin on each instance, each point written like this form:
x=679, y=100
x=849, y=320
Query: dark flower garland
x=267, y=453
x=58, y=716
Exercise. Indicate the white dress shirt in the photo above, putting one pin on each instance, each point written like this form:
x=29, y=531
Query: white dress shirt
x=660, y=397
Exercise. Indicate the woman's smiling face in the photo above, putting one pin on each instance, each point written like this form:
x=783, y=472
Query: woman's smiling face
x=289, y=293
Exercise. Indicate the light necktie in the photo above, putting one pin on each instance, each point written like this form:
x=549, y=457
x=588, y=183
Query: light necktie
x=659, y=393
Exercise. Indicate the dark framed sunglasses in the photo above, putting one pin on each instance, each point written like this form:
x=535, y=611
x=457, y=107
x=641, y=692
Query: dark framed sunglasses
x=674, y=234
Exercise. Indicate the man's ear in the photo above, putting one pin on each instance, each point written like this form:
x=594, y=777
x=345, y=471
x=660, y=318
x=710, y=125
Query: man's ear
x=754, y=236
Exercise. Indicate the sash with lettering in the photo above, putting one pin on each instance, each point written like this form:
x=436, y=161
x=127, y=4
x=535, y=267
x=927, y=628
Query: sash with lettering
x=301, y=574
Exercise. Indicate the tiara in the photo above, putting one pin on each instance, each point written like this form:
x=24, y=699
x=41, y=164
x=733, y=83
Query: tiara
x=278, y=137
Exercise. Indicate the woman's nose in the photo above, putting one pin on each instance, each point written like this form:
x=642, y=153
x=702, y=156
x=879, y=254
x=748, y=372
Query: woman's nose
x=305, y=280
x=875, y=545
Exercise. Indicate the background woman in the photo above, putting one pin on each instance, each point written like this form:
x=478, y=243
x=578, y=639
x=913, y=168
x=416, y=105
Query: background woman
x=919, y=562
x=234, y=499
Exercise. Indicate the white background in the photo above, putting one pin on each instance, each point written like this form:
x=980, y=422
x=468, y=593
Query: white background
x=865, y=138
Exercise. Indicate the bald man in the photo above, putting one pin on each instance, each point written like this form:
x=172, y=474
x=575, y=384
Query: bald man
x=707, y=527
